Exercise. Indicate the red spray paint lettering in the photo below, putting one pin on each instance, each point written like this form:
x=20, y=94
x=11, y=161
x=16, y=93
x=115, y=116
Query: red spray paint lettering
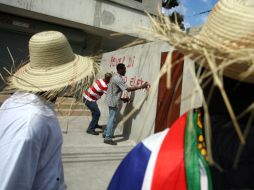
x=128, y=61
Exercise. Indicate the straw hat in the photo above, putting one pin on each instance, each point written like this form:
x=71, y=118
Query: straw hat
x=53, y=65
x=226, y=39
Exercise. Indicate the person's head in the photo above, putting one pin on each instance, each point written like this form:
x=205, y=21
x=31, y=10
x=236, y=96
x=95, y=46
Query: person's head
x=52, y=67
x=121, y=69
x=107, y=77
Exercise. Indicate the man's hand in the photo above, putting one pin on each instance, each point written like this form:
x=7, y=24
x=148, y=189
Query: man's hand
x=145, y=85
x=133, y=88
x=125, y=100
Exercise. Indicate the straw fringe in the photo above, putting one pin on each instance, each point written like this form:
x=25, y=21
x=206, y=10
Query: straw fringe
x=225, y=46
x=74, y=88
x=238, y=61
x=53, y=67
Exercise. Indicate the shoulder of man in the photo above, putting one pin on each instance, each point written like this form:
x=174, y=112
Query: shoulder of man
x=117, y=78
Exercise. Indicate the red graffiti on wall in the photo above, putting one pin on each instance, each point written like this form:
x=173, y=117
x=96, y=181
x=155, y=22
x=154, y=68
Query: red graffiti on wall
x=128, y=61
x=135, y=81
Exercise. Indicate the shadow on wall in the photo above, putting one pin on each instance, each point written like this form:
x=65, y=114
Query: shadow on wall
x=127, y=126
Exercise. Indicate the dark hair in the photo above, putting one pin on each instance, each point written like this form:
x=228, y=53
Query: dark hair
x=120, y=66
x=108, y=75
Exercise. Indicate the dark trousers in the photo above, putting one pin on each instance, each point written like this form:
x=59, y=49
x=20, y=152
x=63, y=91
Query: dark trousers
x=93, y=107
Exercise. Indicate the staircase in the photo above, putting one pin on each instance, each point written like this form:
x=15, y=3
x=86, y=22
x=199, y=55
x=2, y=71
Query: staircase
x=3, y=97
x=94, y=154
x=89, y=164
x=65, y=106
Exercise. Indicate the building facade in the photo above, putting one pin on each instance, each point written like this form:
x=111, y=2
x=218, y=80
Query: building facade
x=90, y=25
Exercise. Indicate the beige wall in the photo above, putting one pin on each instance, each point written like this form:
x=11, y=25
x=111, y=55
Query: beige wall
x=151, y=6
x=191, y=91
x=143, y=64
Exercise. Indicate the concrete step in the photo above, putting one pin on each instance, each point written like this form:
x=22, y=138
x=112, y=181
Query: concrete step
x=95, y=149
x=89, y=163
x=3, y=97
x=71, y=106
x=64, y=101
x=72, y=112
x=66, y=106
x=68, y=100
x=61, y=102
x=94, y=153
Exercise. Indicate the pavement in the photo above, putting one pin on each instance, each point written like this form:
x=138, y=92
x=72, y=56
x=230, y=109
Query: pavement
x=89, y=164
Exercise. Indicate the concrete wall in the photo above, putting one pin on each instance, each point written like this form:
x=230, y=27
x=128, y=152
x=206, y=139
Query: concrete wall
x=191, y=92
x=97, y=15
x=143, y=64
x=151, y=6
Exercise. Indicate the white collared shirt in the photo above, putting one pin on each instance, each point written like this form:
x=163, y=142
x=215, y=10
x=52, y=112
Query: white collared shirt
x=30, y=144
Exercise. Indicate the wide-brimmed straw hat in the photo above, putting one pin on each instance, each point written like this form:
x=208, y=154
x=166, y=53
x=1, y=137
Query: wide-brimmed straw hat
x=53, y=65
x=226, y=39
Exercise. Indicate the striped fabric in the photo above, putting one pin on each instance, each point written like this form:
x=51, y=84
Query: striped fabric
x=95, y=92
x=166, y=160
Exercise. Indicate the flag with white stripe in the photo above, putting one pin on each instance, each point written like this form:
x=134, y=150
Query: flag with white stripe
x=167, y=160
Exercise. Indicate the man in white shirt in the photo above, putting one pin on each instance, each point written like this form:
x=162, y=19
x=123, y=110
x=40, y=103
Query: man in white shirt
x=30, y=135
x=30, y=144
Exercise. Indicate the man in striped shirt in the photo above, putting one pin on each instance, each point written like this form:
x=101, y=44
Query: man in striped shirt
x=90, y=97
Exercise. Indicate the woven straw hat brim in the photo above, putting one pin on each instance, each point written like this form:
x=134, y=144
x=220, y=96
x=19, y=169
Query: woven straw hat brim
x=230, y=25
x=35, y=80
x=227, y=38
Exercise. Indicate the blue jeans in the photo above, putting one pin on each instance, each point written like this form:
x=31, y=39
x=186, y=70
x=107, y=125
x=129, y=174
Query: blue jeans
x=93, y=107
x=111, y=125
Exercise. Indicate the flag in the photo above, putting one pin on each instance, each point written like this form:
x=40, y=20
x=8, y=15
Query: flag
x=172, y=159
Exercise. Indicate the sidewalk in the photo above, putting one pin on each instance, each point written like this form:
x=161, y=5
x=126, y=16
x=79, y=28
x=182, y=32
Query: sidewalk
x=89, y=163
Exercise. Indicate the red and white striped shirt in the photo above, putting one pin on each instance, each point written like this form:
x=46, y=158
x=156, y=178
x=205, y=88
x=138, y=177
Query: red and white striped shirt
x=95, y=92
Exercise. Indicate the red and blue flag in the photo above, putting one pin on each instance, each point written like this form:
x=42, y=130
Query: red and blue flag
x=173, y=159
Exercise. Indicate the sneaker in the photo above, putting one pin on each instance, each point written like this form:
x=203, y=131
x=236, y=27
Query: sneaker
x=92, y=132
x=110, y=141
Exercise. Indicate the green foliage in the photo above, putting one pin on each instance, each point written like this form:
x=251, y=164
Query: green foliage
x=168, y=4
x=177, y=18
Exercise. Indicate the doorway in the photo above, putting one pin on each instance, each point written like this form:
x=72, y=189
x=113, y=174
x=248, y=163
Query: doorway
x=168, y=103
